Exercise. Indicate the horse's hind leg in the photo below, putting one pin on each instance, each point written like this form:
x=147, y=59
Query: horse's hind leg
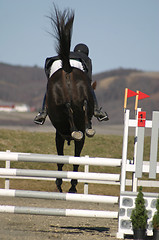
x=78, y=149
x=59, y=147
x=76, y=135
x=88, y=125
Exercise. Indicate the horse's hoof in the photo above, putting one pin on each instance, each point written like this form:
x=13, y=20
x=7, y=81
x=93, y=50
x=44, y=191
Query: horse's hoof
x=90, y=132
x=77, y=135
x=72, y=190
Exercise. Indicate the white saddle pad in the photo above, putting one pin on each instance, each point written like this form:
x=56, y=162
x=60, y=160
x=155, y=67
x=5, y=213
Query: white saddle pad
x=58, y=64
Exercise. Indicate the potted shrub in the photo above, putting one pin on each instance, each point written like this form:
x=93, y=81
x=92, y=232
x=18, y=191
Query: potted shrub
x=155, y=222
x=139, y=217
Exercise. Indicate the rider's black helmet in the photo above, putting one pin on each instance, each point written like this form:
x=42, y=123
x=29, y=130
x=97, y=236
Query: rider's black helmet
x=81, y=48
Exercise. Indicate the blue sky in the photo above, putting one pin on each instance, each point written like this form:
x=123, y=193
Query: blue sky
x=119, y=33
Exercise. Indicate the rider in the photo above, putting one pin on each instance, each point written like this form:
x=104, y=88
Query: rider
x=80, y=53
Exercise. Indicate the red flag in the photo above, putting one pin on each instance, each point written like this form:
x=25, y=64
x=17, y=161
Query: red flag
x=142, y=95
x=131, y=93
x=128, y=93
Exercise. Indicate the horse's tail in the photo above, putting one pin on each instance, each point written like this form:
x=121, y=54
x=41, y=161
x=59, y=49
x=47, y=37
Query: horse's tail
x=63, y=24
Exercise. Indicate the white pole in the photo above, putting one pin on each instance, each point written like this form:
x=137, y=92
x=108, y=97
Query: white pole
x=59, y=174
x=86, y=170
x=124, y=152
x=32, y=157
x=7, y=181
x=7, y=165
x=134, y=179
x=59, y=196
x=58, y=212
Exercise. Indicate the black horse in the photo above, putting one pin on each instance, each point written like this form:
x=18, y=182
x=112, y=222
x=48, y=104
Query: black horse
x=69, y=100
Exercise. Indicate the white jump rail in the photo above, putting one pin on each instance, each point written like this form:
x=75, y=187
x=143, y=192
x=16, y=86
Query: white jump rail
x=58, y=212
x=49, y=158
x=59, y=174
x=59, y=196
x=81, y=176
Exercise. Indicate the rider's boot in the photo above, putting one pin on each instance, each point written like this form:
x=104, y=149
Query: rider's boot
x=100, y=115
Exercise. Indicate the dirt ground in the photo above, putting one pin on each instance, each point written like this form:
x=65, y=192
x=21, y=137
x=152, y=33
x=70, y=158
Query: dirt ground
x=33, y=227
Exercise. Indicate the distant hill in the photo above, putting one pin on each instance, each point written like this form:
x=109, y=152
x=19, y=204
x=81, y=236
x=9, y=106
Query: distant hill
x=111, y=87
x=28, y=84
x=22, y=84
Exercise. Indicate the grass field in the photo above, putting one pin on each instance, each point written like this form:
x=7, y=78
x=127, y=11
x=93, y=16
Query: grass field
x=44, y=143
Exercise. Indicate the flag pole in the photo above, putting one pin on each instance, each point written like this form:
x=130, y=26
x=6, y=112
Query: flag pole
x=136, y=101
x=125, y=98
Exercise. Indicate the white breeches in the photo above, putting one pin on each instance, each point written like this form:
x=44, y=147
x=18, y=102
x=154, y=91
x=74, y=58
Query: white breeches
x=58, y=64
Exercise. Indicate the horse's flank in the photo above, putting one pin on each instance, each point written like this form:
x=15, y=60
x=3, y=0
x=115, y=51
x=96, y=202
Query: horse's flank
x=63, y=88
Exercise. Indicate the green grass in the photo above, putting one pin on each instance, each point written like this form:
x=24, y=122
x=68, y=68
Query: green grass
x=44, y=143
x=35, y=142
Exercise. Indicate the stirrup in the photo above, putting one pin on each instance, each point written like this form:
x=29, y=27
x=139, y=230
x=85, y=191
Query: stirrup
x=40, y=122
x=105, y=118
x=39, y=119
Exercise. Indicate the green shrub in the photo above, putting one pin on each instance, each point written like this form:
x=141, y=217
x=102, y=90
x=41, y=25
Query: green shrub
x=155, y=221
x=139, y=214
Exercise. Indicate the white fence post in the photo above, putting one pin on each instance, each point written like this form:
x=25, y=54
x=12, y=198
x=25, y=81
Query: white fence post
x=124, y=152
x=86, y=170
x=7, y=181
x=134, y=178
x=154, y=145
